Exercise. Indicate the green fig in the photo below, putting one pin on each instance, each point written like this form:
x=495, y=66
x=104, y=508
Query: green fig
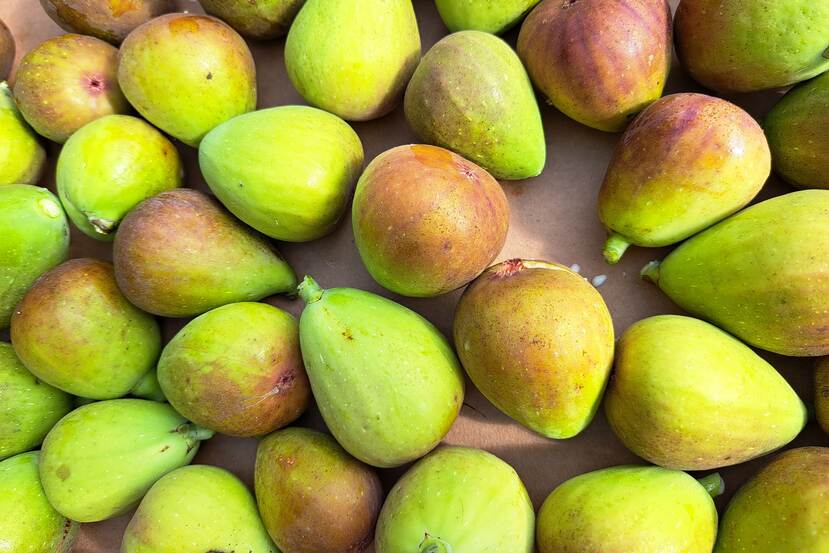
x=822, y=394
x=353, y=57
x=761, y=274
x=148, y=388
x=457, y=500
x=314, y=496
x=687, y=162
x=66, y=82
x=427, y=221
x=75, y=330
x=110, y=20
x=635, y=509
x=21, y=155
x=783, y=508
x=599, y=62
x=537, y=340
x=686, y=395
x=7, y=50
x=28, y=524
x=34, y=237
x=197, y=509
x=100, y=459
x=237, y=370
x=798, y=132
x=108, y=167
x=207, y=64
x=286, y=171
x=385, y=379
x=471, y=94
x=483, y=15
x=179, y=254
x=260, y=19
x=749, y=45
x=29, y=408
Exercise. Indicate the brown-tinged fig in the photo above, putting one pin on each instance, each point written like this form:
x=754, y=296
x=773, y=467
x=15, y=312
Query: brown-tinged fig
x=822, y=393
x=110, y=20
x=257, y=19
x=7, y=50
x=427, y=221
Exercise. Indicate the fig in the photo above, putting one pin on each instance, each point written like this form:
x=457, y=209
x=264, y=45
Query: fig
x=686, y=395
x=7, y=51
x=110, y=20
x=314, y=496
x=687, y=162
x=261, y=19
x=179, y=254
x=353, y=57
x=385, y=379
x=108, y=167
x=75, y=330
x=483, y=15
x=599, y=62
x=537, y=340
x=100, y=459
x=66, y=82
x=207, y=64
x=21, y=155
x=471, y=94
x=197, y=508
x=744, y=46
x=286, y=171
x=760, y=274
x=822, y=394
x=426, y=221
x=34, y=237
x=436, y=504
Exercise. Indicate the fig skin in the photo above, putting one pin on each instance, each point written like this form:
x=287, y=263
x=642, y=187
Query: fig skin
x=109, y=20
x=600, y=62
x=7, y=51
x=22, y=157
x=537, y=340
x=822, y=393
x=260, y=20
x=313, y=495
x=427, y=221
x=483, y=15
x=67, y=81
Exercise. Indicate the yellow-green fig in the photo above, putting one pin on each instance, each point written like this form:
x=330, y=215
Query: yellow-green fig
x=7, y=50
x=259, y=19
x=483, y=15
x=353, y=57
x=822, y=393
x=110, y=20
x=21, y=155
x=686, y=395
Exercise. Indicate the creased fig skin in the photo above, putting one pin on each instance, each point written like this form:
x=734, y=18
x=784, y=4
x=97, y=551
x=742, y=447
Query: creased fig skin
x=110, y=20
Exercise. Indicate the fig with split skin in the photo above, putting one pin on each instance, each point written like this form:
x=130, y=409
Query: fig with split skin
x=22, y=157
x=110, y=20
x=259, y=20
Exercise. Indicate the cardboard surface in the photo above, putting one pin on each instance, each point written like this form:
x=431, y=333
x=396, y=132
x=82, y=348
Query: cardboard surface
x=552, y=217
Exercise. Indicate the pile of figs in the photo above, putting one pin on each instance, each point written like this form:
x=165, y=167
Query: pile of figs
x=116, y=369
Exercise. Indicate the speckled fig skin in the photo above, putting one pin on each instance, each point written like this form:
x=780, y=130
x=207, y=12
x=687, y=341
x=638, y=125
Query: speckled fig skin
x=75, y=330
x=490, y=16
x=66, y=82
x=180, y=254
x=537, y=341
x=687, y=162
x=7, y=50
x=237, y=370
x=110, y=20
x=205, y=61
x=427, y=221
x=600, y=62
x=21, y=155
x=798, y=132
x=260, y=19
x=762, y=274
x=822, y=393
x=313, y=495
x=782, y=508
x=749, y=45
x=491, y=119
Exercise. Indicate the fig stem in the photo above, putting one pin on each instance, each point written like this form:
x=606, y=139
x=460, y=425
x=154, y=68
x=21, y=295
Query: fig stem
x=651, y=271
x=197, y=433
x=713, y=484
x=615, y=247
x=309, y=290
x=432, y=544
x=148, y=388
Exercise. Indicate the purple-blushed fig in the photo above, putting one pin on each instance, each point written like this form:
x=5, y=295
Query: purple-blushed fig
x=110, y=20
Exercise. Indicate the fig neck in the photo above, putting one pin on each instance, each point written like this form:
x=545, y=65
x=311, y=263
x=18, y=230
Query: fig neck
x=615, y=247
x=713, y=484
x=431, y=544
x=651, y=271
x=309, y=290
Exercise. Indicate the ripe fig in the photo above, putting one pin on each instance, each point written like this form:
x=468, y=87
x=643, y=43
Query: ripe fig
x=261, y=19
x=21, y=155
x=7, y=51
x=110, y=20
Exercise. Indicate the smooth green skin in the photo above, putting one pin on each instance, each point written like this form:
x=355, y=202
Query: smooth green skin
x=635, y=509
x=259, y=19
x=457, y=500
x=749, y=45
x=203, y=60
x=783, y=508
x=100, y=459
x=28, y=524
x=197, y=508
x=686, y=395
x=21, y=154
x=491, y=119
x=353, y=57
x=490, y=16
x=111, y=165
x=286, y=171
x=385, y=379
x=798, y=132
x=761, y=274
x=34, y=237
x=29, y=408
x=822, y=393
